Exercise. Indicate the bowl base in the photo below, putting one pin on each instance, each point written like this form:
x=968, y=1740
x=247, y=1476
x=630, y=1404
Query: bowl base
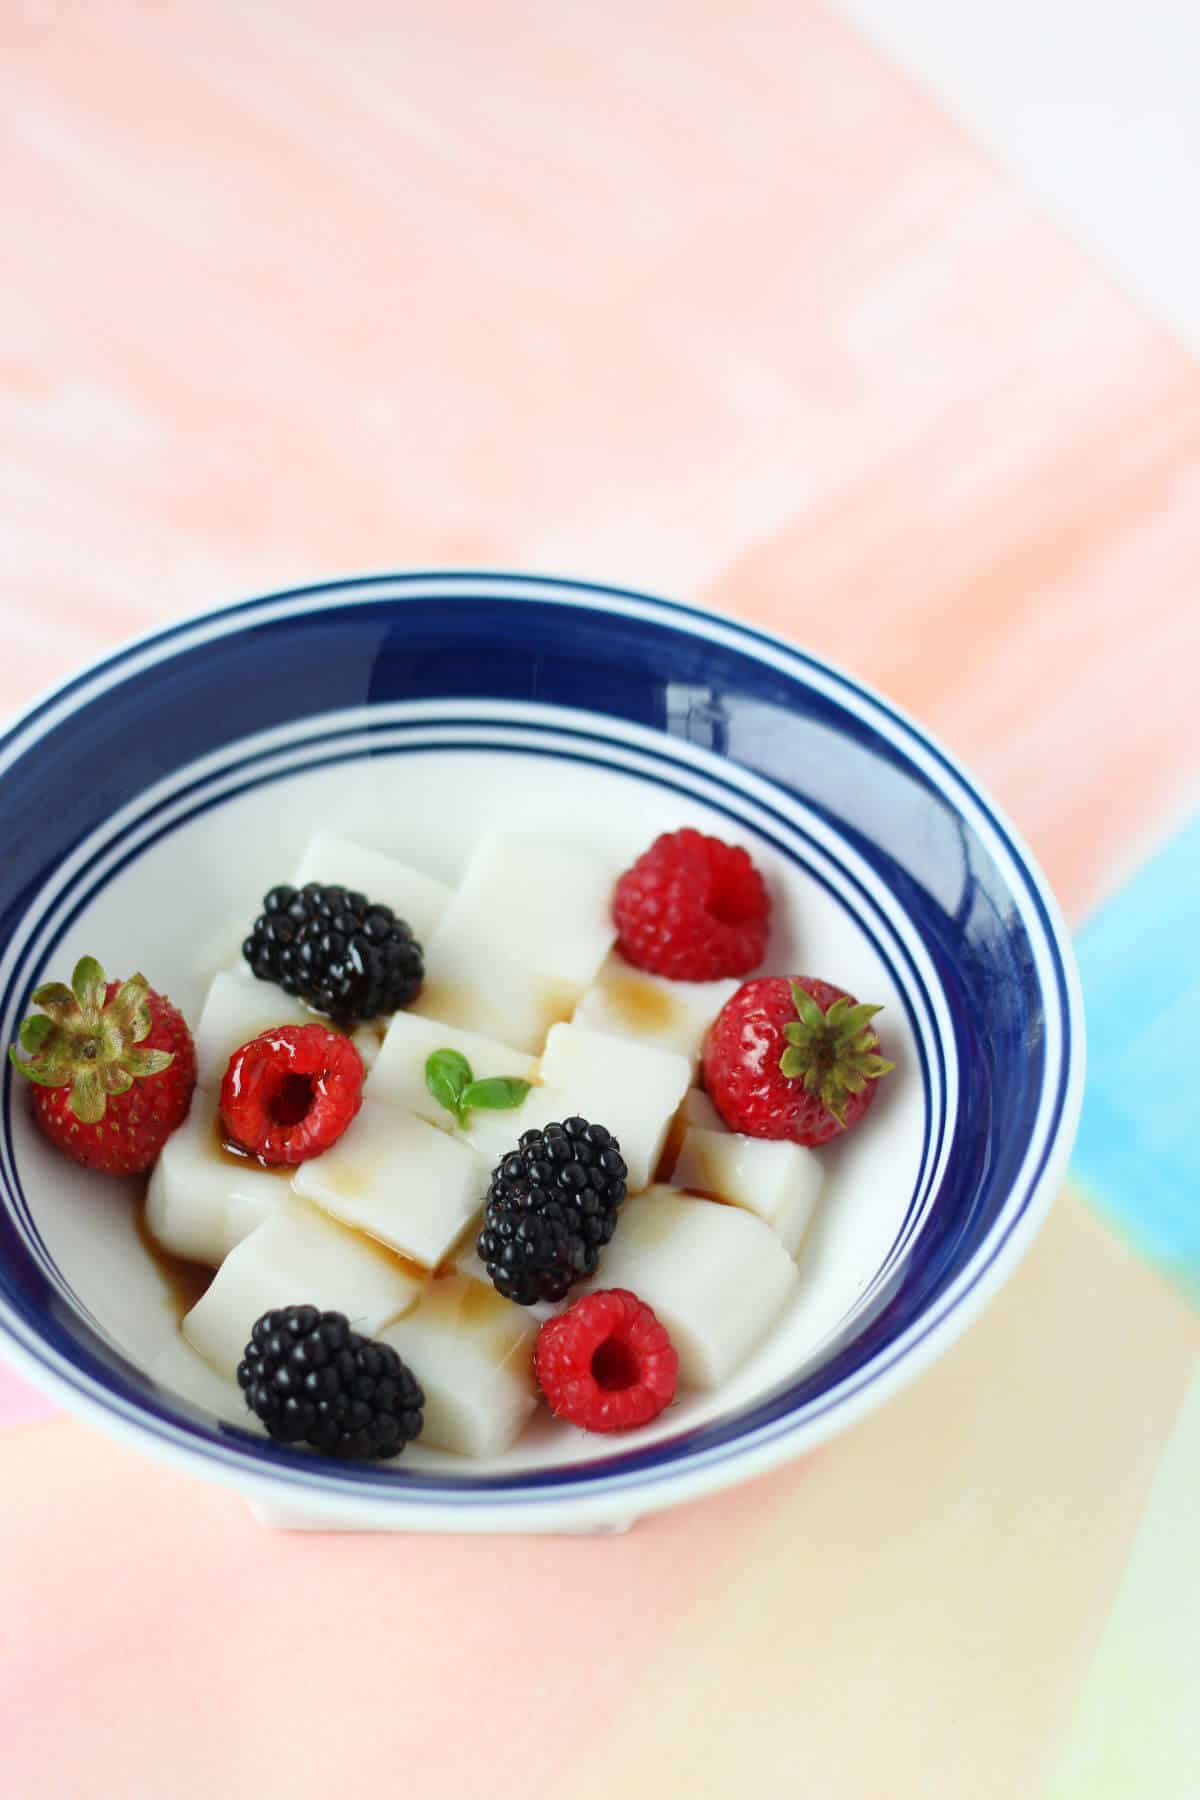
x=293, y=1518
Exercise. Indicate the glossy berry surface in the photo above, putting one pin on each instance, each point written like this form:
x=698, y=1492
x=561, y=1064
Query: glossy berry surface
x=342, y=954
x=312, y=1380
x=290, y=1093
x=551, y=1207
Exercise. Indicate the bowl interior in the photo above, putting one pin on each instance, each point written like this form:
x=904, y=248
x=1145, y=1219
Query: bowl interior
x=157, y=799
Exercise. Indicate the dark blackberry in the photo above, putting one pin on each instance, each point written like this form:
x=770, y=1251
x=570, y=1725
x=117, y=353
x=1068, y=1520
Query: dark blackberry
x=312, y=1380
x=338, y=951
x=551, y=1207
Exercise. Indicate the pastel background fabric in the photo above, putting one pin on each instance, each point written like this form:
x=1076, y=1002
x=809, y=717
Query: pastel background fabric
x=712, y=299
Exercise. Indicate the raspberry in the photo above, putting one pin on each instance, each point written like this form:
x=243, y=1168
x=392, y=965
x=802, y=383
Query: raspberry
x=606, y=1363
x=310, y=1379
x=796, y=1059
x=692, y=908
x=290, y=1093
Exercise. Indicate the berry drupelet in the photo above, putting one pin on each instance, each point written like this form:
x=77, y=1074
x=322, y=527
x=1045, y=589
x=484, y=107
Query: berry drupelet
x=341, y=953
x=551, y=1207
x=312, y=1380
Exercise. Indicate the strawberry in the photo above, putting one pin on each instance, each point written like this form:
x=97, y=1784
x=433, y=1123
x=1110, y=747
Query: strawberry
x=795, y=1059
x=113, y=1068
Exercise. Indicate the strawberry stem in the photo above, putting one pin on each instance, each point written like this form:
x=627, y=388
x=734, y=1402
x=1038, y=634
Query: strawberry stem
x=83, y=1041
x=834, y=1053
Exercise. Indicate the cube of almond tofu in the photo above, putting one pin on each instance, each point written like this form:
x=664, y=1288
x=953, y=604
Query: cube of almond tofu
x=717, y=1277
x=698, y=1109
x=399, y=1179
x=494, y=1134
x=298, y=1256
x=547, y=905
x=414, y=897
x=368, y=1041
x=632, y=1089
x=466, y=1259
x=238, y=1007
x=398, y=1077
x=472, y=1353
x=670, y=1015
x=777, y=1180
x=201, y=1201
x=480, y=989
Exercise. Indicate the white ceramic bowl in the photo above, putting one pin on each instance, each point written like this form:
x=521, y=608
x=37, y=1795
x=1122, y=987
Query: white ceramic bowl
x=149, y=803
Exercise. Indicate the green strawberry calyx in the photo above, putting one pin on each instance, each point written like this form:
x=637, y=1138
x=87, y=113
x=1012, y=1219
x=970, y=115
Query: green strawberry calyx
x=835, y=1053
x=83, y=1041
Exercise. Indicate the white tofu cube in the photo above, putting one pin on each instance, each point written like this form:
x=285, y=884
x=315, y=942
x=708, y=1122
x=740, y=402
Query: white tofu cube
x=670, y=1015
x=299, y=1256
x=398, y=1077
x=471, y=985
x=416, y=898
x=399, y=1179
x=467, y=1260
x=628, y=1087
x=545, y=904
x=368, y=1041
x=494, y=1134
x=237, y=1008
x=472, y=1352
x=203, y=1200
x=699, y=1110
x=716, y=1276
x=777, y=1180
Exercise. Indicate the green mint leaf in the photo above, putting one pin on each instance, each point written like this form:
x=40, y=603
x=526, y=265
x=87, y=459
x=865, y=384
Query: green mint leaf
x=447, y=1075
x=497, y=1094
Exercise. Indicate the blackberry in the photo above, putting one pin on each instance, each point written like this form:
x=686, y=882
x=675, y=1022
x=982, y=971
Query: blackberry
x=310, y=1379
x=340, y=952
x=551, y=1207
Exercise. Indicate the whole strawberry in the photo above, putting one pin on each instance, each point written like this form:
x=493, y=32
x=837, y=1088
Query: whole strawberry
x=113, y=1068
x=795, y=1059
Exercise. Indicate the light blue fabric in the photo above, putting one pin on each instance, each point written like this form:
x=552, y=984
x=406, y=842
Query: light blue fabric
x=1138, y=1152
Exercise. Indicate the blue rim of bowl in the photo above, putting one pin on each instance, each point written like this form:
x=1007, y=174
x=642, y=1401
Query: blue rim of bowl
x=779, y=1419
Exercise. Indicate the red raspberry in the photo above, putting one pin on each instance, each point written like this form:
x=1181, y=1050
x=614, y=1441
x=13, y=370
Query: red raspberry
x=606, y=1363
x=692, y=908
x=794, y=1059
x=291, y=1092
